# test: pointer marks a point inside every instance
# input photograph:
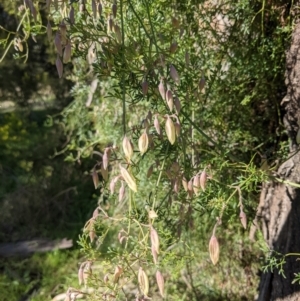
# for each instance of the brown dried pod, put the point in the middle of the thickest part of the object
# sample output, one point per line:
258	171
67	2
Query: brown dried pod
157	125
59	67
143	142
160	283
129	179
67	52
94	9
187	59
169	98
150	171
161	89
110	25
100	8
118	272
201	83
154	239
154	255
185	183
145	87
174	75
203	179
95	178
121	192
57	43
72	15
214	249
177	128
243	219
170	130
49	31
117	31
127	148
175	23
173	47
196	184
177	105
114	9
143	281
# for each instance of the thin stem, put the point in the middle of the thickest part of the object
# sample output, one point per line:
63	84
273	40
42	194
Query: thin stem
123	75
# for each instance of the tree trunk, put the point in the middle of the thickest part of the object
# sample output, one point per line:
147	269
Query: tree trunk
279	208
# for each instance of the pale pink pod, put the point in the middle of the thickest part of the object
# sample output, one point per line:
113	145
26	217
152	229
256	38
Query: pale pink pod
160	283
143	281
92	235
161	89
214	249
59	67
170	130
243	219
105	278
112	185
157	125
154	239
127	148
203	179
185	183
143	143
105	158
67	53
190	188
80	275
96	213
145	87
57	43
196	184
174	74
177	105
95	178
154	255
169	98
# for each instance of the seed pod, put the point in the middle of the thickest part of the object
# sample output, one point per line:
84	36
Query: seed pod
174	74
99	8
63	33
201	83
127	148
67	52
176	187
162	90
72	15
160	283
154	255
48	3
149	116
177	128
190	188
143	281
128	178
196	184
157	125
59	67
95	213
117	274
80	275
105	158
114	9
170	130
94	9
95	178
150	171
105	278
177	105
175	23
214	249
49	31
187	58
152	214
121	192
110	24
184	183
154	239
104	173
169	98
203	179
57	43
173	47
112	185
243	219
117	31
145	87
143	143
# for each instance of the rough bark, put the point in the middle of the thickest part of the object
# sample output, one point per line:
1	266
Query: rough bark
279	208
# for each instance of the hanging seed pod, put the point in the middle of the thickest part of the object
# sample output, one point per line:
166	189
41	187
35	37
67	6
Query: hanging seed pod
184	183
117	274
169	98
94	9
80	274
154	239
160	283
145	88
162	91
114	9
104	173
49	31
175	23
105	158
57	43
100	8
201	83
170	130
95	178
92	235
121	192
59	67
117	31
177	128
143	281
203	179
105	278
214	249
177	105
152	214
150	171
95	213
243	219
72	15
187	59
176	187
110	24
173	47
154	255
157	125
149	116
127	148
190	188
128	178
174	75
63	33
196	184
143	143
112	185
67	53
